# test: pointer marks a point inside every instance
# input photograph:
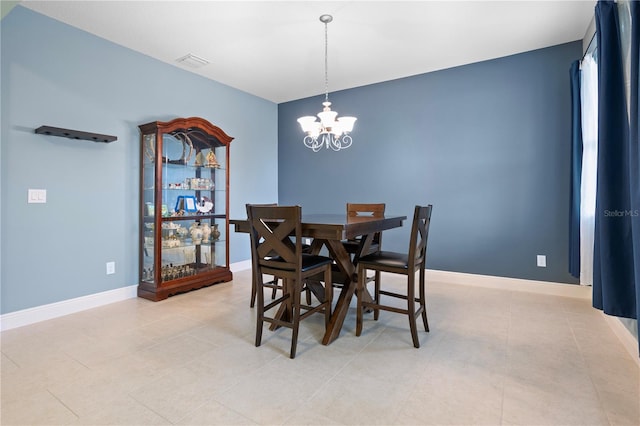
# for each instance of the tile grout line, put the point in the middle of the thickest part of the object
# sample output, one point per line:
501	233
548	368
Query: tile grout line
504	377
63	404
584	361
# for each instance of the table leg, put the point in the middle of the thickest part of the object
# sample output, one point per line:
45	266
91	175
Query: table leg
316	287
365	244
343	261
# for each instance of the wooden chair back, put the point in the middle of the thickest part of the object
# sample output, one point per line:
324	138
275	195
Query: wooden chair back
255	267
375	210
419	236
271	230
368	209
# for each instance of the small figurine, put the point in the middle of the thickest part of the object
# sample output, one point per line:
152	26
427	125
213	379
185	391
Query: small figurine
206	231
196	233
205	205
212	161
199	159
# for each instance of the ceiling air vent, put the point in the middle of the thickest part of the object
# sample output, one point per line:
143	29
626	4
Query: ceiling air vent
192	60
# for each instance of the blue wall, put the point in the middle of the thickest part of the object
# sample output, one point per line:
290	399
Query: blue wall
487	144
57	75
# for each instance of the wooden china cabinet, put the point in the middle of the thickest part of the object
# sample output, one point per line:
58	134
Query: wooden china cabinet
184	206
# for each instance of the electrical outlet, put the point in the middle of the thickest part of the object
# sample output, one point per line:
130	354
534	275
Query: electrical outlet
111	268
542	261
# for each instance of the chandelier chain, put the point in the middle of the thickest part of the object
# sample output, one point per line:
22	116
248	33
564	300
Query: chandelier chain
326	62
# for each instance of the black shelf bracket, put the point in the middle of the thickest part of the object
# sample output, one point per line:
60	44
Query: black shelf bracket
74	134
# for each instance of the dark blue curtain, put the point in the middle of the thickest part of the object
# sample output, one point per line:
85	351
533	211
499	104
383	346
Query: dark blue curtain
634	148
576	172
615	280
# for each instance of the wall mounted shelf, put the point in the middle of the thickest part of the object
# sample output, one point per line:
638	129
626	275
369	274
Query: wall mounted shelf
74	134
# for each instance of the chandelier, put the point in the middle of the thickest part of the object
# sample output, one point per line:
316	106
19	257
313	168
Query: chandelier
330	131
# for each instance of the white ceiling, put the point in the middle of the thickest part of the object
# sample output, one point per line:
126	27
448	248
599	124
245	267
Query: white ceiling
275	49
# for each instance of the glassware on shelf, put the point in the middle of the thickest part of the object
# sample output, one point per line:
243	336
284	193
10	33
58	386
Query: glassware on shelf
215	232
206	231
196	233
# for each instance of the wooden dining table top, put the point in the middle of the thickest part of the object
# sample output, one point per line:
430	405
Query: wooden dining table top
328	230
336	226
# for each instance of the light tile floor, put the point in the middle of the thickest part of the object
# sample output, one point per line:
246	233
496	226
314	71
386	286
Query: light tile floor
493	357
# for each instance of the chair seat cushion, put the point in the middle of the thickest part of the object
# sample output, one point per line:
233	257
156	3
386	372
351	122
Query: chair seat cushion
309	261
386	258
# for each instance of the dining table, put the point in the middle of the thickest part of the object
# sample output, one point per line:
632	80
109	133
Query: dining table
328	231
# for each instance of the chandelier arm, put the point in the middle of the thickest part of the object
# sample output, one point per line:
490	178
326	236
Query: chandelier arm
309	142
313	143
346	141
339	144
335	144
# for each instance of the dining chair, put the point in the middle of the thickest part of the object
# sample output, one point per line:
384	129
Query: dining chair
358	209
274	283
399	263
277	250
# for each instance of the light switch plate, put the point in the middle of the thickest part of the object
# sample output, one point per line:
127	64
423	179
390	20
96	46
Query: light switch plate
37	196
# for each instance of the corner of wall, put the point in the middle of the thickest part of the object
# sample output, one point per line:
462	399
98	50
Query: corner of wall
6	6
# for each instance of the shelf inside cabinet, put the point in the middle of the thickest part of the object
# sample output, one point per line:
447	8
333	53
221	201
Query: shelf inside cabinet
186	243
195	217
181	164
151	219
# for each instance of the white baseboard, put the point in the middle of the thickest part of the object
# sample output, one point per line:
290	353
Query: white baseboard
627	339
240	266
512	284
54	310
